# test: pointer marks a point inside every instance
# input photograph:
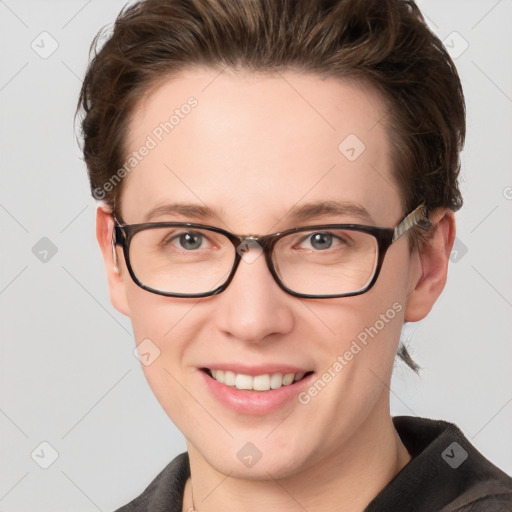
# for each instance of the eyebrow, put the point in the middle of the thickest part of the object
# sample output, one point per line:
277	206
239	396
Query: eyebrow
300	213
195	211
329	208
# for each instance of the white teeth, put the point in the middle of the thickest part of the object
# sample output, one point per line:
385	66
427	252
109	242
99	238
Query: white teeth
261	382
229	378
288	379
276	381
243	381
258	382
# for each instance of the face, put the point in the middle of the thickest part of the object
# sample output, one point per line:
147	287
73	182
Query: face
251	149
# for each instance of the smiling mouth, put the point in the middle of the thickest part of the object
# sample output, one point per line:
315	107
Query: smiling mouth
264	382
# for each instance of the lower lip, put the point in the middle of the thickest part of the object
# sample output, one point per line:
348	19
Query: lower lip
255	403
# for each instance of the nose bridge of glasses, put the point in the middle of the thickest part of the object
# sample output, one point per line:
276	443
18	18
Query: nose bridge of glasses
250	247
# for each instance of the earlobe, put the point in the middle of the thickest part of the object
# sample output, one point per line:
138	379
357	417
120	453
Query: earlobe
431	260
116	284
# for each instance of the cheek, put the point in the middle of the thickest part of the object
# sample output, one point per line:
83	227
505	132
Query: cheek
163	328
363	330
355	341
157	317
147	315
154	322
362	333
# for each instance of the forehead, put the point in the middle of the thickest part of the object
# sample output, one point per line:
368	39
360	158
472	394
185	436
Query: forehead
253	146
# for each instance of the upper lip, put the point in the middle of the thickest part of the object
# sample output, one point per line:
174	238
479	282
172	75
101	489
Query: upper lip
260	369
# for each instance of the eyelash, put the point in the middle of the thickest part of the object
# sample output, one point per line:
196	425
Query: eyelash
176	236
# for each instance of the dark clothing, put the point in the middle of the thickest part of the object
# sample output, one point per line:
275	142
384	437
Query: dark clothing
446	474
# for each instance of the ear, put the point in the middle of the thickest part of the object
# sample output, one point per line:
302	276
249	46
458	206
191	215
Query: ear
115	278
431	266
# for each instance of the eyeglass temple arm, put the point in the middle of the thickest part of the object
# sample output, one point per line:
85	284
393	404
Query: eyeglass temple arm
113	242
415	217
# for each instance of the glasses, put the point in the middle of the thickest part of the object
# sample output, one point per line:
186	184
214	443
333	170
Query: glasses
182	259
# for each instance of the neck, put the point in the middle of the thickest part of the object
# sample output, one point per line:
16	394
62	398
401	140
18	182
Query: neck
365	464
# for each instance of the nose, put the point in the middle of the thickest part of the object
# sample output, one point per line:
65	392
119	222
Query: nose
253	307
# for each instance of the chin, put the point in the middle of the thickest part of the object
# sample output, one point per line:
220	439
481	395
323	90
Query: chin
254	457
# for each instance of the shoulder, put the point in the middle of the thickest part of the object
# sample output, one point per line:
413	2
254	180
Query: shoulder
165	492
446	473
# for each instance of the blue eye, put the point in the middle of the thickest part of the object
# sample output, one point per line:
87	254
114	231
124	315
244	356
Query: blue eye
190	240
321	241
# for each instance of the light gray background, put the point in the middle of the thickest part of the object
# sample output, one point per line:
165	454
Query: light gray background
68	374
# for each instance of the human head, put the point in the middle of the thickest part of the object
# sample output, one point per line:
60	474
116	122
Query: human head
384	43
125	92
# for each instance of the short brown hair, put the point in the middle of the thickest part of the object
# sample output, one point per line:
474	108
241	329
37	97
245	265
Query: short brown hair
385	43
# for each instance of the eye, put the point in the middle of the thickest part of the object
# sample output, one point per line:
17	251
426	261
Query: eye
188	240
323	240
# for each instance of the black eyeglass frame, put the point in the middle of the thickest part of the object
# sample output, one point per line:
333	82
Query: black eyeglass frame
123	234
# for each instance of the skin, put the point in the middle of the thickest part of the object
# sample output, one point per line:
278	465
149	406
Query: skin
253	148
